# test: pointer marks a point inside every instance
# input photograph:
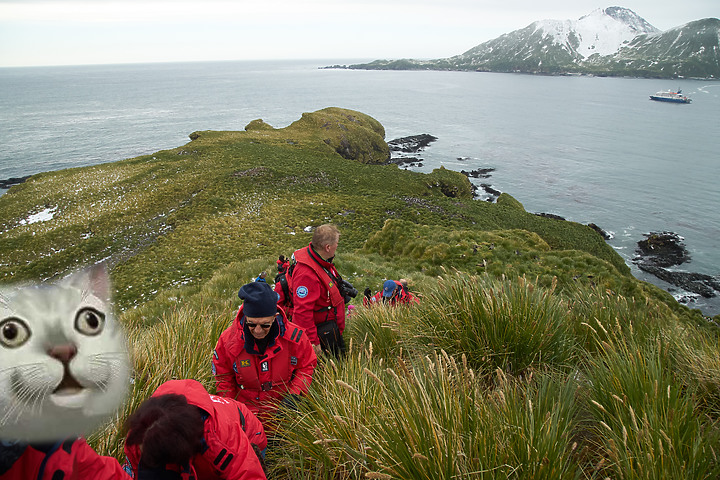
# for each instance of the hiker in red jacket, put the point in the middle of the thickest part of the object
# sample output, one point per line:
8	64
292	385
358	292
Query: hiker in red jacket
282	264
262	358
70	459
183	432
393	293
319	294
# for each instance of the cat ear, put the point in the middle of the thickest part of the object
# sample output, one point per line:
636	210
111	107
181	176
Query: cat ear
95	279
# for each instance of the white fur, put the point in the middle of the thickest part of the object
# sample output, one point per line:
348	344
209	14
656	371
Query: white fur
29	410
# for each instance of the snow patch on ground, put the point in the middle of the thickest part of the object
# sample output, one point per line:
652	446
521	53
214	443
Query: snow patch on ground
42	216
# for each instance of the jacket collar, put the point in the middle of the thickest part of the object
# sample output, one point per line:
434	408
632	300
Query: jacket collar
277	330
325	263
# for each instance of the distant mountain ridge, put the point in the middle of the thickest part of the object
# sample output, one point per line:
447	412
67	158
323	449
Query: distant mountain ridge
613	41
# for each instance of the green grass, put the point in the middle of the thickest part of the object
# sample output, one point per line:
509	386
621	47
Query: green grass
533	353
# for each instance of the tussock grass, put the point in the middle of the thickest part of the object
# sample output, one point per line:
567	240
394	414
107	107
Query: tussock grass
410	401
430	419
647	422
511	325
179	345
696	353
533	354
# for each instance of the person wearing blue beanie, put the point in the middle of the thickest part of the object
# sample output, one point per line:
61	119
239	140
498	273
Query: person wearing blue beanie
262	359
259	300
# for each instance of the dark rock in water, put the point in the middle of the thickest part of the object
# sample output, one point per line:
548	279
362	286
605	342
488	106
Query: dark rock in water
408	161
491	191
662	249
699	283
550	215
411	144
13	181
478	173
599	230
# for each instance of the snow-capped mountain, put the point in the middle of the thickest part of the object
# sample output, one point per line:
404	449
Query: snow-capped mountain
548	44
608	41
601	32
692	49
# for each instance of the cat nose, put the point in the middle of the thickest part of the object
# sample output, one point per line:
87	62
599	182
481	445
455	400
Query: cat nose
64	353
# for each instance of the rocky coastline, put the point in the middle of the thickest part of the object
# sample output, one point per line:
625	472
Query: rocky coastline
9	182
656	254
659	252
405	152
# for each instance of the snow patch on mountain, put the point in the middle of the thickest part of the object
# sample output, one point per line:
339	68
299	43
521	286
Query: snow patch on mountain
603	31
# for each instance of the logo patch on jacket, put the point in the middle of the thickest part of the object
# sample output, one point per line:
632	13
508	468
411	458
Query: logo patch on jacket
215	355
212	367
264	367
244	363
301	292
293	360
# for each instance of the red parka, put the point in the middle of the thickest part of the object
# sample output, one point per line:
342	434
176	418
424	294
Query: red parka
229	430
282	288
67	460
316	294
260	381
400	297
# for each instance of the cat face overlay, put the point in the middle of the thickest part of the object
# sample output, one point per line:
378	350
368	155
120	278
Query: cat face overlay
64	365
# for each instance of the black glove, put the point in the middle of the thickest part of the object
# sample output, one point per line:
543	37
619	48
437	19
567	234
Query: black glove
290	401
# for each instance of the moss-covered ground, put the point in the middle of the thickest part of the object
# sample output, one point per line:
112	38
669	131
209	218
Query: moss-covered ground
183	229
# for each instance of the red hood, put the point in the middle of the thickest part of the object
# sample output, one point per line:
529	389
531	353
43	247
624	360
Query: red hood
191	389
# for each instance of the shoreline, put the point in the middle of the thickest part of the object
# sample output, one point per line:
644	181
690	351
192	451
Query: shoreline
686	287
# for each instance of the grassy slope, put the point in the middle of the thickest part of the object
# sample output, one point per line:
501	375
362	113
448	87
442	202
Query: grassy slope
182	229
175	217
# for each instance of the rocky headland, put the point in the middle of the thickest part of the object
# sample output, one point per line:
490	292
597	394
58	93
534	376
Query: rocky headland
9	182
659	252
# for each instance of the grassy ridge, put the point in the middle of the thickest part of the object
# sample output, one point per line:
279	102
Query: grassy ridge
508	357
174	217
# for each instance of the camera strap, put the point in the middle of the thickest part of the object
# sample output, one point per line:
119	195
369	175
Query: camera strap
338	278
328	280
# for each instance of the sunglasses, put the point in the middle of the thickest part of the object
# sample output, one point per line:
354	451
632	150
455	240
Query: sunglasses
264	326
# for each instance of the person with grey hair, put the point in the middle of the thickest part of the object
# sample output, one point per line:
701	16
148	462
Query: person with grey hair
320	293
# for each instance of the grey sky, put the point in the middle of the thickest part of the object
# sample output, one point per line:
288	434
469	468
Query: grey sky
67	32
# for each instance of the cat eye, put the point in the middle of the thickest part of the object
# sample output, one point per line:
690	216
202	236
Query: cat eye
89	321
13	332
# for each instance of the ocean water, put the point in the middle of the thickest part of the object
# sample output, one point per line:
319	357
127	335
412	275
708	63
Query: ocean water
585	148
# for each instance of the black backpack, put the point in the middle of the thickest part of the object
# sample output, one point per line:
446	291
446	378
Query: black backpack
282	279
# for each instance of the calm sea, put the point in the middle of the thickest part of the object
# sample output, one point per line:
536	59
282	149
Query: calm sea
588	149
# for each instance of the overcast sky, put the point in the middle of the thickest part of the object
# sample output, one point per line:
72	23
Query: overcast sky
77	32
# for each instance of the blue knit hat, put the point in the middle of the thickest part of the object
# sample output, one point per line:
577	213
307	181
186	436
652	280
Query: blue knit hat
389	288
259	300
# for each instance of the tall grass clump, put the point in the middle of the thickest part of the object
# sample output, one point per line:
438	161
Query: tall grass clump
534	424
329	436
178	346
380	328
646	422
429	419
597	315
697	357
497	323
367	419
